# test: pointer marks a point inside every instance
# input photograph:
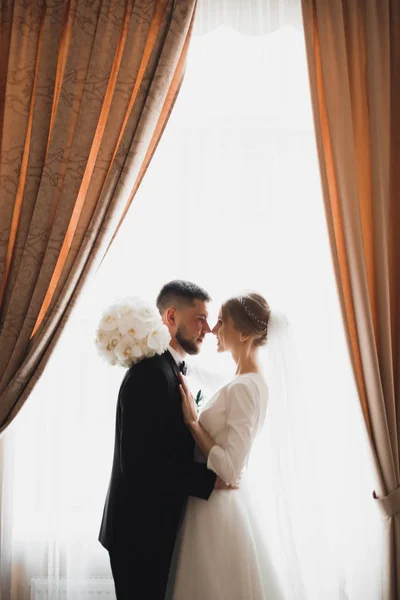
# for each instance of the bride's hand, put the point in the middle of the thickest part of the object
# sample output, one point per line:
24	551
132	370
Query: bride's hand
189	407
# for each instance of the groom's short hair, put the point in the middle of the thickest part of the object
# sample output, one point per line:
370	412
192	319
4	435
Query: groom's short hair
180	292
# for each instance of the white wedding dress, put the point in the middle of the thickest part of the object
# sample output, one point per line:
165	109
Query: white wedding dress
219	553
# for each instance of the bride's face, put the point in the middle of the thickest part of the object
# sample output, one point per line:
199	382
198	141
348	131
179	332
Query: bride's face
227	336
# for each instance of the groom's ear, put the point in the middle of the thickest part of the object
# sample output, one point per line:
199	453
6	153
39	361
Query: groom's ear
170	316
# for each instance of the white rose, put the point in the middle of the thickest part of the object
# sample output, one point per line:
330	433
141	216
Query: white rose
101	338
126	309
130	330
148	313
127	350
133	326
113	342
132	304
158	339
109	320
108	355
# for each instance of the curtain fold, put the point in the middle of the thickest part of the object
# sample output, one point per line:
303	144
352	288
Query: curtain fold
87	88
353	53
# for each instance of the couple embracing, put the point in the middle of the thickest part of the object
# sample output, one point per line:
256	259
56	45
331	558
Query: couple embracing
177	521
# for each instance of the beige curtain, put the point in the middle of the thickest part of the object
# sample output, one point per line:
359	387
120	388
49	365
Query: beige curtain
86	89
353	49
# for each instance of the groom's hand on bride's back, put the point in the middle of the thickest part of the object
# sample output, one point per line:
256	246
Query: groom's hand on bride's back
221	485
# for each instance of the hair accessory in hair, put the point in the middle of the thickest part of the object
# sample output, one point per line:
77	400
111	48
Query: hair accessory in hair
250	314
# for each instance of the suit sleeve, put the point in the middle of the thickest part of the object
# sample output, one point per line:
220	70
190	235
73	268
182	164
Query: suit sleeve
144	442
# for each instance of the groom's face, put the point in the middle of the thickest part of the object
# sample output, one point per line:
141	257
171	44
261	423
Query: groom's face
192	326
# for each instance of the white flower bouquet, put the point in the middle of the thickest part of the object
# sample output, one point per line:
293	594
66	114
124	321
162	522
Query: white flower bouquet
130	330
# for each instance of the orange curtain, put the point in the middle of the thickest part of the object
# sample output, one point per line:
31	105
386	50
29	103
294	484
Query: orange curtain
353	49
85	93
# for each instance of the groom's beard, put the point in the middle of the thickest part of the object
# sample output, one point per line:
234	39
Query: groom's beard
188	345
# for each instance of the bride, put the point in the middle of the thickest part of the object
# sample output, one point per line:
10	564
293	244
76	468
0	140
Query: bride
219	552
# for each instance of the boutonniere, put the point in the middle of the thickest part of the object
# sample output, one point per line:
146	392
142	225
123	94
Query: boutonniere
199	398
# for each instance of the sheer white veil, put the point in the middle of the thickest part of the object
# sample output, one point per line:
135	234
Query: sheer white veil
278	475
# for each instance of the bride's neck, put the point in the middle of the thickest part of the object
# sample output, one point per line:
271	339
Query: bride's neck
246	361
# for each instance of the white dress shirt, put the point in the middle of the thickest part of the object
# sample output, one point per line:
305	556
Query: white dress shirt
175	355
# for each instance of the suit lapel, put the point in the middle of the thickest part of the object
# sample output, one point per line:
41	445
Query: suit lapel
172	363
176	402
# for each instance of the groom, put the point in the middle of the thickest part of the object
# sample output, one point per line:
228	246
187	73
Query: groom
153	471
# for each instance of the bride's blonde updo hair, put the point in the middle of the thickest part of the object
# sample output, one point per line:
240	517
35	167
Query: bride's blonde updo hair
250	314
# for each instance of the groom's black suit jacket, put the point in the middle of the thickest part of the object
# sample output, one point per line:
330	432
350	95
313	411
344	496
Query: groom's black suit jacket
153	471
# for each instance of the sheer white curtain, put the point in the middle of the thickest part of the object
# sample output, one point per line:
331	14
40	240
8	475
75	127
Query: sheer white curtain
231	200
250	17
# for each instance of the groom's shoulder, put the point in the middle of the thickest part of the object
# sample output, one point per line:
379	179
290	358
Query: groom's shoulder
152	367
158	361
